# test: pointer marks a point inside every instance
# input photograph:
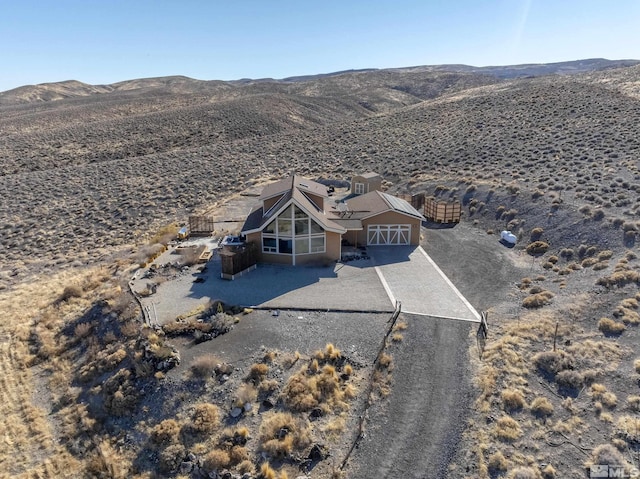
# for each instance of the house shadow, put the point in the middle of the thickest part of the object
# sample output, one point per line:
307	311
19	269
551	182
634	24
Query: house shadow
261	286
434	225
382	255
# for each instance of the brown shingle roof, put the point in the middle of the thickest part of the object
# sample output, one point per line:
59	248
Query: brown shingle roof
376	202
292	188
282	186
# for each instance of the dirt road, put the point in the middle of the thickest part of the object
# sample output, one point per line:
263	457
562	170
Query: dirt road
415	434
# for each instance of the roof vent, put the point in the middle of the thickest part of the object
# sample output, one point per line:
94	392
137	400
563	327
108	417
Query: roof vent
304	185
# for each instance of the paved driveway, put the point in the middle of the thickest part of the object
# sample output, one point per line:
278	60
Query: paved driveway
412	277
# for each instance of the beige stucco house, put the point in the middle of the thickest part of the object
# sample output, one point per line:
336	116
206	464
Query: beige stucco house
297	222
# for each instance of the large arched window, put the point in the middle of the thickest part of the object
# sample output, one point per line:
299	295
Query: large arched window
293	232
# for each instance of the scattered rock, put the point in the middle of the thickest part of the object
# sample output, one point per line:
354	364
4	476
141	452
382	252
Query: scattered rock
318	453
235	412
186	467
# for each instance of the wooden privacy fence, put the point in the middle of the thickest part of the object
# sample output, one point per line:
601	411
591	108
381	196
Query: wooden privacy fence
442	211
201	225
238	259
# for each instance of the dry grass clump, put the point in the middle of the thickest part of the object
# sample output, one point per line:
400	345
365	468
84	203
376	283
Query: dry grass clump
165	432
120	393
633	403
541	407
524	473
537	300
507	429
636	365
205	418
281	433
549	472
512	399
497	462
610	327
171	457
628	428
606	454
257	373
620	279
70	292
322	383
246	393
215	460
537	248
204	366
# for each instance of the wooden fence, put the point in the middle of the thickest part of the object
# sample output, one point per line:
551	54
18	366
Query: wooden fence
201	225
238	259
442	211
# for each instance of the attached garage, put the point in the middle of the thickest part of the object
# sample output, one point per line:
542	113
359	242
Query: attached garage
388	235
377	218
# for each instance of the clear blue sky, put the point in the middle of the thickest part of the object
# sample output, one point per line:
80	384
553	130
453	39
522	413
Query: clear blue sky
105	41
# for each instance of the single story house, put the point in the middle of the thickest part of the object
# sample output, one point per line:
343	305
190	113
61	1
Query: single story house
366	183
297	222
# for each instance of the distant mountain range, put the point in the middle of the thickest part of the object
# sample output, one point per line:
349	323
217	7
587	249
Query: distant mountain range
180	84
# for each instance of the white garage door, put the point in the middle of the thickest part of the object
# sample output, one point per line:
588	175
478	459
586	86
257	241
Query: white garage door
388	234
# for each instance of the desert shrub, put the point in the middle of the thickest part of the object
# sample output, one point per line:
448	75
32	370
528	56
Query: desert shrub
619	279
165	432
238	454
553	259
267	472
497	462
257	373
600	265
205	418
628	428
82	330
549	472
541	407
245	467
281	433
607	454
537	300
512	399
120	394
524	473
171	457
605	255
214	460
385	361
610	327
609	400
636	365
585	263
536	233
537	248
70	292
204	366
634	403
552	362
246	393
566	253
569	379
507	429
